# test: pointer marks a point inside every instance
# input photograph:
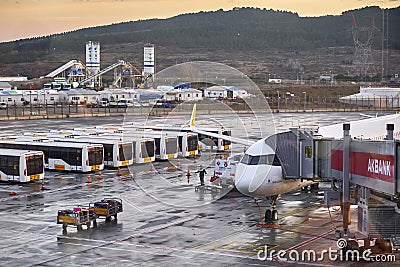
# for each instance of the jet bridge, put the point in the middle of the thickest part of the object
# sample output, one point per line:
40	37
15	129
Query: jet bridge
297	150
368	170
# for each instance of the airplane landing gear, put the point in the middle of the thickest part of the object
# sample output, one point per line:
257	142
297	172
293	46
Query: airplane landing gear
271	214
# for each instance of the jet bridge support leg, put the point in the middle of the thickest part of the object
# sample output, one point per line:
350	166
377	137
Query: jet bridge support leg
346	180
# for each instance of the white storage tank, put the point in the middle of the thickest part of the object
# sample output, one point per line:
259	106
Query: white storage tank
93	56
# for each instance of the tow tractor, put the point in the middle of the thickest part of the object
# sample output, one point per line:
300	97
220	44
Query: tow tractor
107	207
77	217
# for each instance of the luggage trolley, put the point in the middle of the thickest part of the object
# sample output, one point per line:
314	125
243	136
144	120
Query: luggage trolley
77	217
107	207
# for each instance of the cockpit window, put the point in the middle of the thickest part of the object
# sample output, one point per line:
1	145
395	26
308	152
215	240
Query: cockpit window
271	159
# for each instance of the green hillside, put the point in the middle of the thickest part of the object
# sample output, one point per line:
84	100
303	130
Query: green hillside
242	30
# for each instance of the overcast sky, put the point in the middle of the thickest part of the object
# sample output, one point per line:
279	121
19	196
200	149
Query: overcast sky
29	18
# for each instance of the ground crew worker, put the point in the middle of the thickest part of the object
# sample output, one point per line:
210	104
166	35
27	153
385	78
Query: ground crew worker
201	172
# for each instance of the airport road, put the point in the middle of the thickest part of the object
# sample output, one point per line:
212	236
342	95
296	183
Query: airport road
165	221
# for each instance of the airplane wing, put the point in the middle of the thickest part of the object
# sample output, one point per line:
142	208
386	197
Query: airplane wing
224	137
192	127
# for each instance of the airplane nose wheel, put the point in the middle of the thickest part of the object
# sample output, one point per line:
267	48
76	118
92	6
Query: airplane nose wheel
271	216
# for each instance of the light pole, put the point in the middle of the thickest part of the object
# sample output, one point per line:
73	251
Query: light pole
305	98
278	100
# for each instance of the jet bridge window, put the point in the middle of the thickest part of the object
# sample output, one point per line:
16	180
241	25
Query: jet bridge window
308	151
261	160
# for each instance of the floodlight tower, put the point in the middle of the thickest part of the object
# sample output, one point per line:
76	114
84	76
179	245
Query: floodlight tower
362	49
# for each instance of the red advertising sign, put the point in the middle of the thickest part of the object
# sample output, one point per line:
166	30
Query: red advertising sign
371	165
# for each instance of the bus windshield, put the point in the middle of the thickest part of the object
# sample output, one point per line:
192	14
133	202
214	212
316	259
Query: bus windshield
171	145
147	149
227	133
193	142
34	164
125	151
95	155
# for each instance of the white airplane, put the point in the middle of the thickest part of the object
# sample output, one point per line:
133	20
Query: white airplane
259	173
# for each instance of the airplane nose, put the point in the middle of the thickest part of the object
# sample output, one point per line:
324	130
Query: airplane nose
249	180
242	186
252	180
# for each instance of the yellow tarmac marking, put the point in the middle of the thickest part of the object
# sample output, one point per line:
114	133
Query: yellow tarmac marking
218	239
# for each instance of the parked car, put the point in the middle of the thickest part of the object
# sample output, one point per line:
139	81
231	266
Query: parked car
124	103
164	105
112	104
104	104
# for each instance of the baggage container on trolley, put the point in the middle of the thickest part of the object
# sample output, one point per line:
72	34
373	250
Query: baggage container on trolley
107	207
76	217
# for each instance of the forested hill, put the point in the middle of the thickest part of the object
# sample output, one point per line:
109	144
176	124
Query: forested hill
240	29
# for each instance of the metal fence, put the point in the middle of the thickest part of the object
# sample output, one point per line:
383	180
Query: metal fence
69	110
310	104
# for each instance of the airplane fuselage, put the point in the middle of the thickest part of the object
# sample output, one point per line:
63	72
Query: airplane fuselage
259	173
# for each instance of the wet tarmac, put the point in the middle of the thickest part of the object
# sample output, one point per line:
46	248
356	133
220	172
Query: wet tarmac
165	222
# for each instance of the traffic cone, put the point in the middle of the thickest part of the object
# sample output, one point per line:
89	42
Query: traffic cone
119	171
188	174
42	187
88	179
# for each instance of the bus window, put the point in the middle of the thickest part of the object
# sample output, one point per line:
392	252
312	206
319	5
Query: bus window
157	140
108	152
9	165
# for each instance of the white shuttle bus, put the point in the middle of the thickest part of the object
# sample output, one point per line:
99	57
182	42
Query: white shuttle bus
143	148
21	165
213	142
166	147
62	156
188	144
116	153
